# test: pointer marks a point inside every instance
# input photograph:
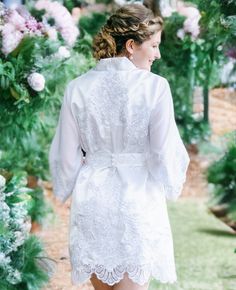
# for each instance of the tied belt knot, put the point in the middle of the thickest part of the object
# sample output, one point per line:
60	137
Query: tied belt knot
110	159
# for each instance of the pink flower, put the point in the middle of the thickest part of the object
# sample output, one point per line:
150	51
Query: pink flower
18	23
10	38
167	11
191	23
191	26
63	19
36	81
32	25
16	19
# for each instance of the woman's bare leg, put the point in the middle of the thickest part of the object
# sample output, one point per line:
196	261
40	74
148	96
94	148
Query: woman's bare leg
98	284
127	284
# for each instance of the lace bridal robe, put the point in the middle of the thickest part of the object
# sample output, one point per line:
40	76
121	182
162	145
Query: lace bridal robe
123	118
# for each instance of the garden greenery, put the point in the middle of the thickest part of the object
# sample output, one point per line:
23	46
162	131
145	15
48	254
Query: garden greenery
20	252
222	174
189	61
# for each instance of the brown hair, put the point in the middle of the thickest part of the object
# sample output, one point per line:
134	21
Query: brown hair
132	21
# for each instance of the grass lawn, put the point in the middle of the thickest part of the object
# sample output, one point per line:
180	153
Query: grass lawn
204	249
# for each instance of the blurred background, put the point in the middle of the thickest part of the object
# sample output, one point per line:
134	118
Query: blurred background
43	45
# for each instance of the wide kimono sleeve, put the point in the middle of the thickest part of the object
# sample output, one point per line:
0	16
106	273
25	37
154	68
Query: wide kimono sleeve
65	155
169	159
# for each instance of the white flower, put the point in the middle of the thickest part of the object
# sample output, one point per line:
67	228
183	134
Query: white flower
167	11
14	277
19	239
121	2
4	260
10	38
51	32
63	52
36	81
191	23
4	213
2	181
27	227
181	34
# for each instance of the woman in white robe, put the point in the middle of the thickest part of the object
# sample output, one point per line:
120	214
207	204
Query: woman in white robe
122	116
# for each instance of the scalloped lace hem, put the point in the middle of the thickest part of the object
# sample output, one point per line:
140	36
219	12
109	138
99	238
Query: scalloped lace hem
138	274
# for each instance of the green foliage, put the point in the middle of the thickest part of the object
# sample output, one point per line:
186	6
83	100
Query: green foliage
39	207
26	261
70	4
28	130
191	130
31	156
29	56
84	44
21	253
188	63
107	2
19	104
27	117
178	66
93	22
222	174
33	276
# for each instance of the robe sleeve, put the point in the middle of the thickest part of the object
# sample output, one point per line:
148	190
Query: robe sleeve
169	159
65	155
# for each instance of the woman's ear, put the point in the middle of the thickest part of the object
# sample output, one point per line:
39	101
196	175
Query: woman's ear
129	45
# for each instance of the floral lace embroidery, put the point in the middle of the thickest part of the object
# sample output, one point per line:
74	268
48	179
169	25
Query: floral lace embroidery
108	107
140	274
118	238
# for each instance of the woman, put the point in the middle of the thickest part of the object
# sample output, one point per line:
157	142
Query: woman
122	116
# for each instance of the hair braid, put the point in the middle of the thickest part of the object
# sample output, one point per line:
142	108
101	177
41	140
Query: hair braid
132	21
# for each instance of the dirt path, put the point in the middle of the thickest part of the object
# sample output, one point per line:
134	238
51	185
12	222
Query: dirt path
222	117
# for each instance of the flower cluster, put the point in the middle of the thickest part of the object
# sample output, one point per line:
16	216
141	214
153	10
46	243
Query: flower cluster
17	23
191	23
63	20
19	30
15	222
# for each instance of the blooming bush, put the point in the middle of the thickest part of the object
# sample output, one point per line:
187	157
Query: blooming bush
221	177
18	24
18	249
28	47
195	36
33	75
29	65
64	22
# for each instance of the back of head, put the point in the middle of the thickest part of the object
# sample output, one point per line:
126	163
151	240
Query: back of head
132	21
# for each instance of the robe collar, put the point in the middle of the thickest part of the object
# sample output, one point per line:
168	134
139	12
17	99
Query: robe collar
115	63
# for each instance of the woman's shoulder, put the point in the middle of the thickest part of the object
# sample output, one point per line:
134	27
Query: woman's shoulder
157	78
154	81
79	80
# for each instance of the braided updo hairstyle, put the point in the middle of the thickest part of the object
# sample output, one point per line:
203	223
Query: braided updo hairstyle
132	21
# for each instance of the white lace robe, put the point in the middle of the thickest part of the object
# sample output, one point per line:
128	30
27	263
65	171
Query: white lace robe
123	118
